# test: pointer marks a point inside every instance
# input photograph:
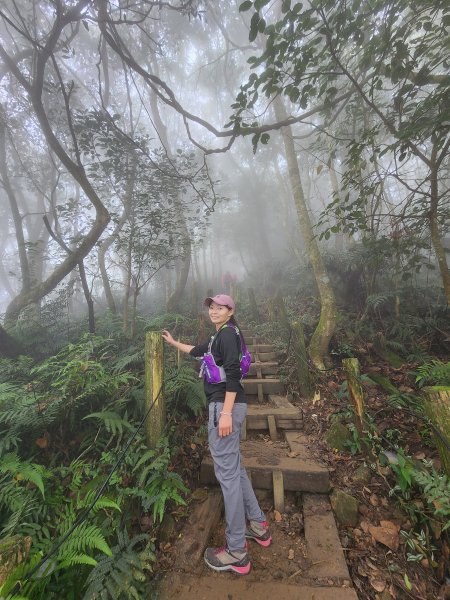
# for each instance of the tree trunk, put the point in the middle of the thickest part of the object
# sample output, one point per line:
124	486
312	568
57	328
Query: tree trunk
434	227
9	347
17	219
82	273
182	275
437	408
107	243
318	348
75	169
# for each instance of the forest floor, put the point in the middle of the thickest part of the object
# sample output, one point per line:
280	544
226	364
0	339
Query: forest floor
375	551
379	567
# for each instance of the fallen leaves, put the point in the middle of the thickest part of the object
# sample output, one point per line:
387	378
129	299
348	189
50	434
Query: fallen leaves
277	516
386	534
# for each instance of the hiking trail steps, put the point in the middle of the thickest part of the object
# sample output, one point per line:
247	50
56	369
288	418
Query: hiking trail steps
283	463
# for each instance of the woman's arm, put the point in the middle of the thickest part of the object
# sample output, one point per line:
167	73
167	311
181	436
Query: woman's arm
167	336
225	419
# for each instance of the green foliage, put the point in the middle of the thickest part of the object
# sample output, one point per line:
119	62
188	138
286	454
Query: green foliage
22	488
58	390
436	489
403	468
122	575
157	481
435	372
65	395
113	422
184	391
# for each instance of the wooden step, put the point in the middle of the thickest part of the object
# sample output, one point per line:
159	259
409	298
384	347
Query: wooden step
300	473
259	369
322	538
258	348
268	386
203	519
285	418
181	586
264	356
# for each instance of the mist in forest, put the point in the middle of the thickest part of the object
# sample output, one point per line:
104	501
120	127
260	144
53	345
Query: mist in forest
143	163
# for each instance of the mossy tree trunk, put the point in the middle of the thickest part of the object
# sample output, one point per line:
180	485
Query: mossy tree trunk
355	391
437	408
318	347
304	376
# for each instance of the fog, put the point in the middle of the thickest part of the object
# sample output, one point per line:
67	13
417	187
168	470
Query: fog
154	150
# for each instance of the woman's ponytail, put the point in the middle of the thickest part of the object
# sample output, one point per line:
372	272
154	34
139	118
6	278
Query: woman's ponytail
234	322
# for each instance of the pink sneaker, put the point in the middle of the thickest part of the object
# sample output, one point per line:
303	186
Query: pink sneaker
259	532
222	559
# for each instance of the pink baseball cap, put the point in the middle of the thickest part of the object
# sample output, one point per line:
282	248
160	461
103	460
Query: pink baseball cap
221	299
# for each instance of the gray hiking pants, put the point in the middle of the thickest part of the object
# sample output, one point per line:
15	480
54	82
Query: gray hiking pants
238	495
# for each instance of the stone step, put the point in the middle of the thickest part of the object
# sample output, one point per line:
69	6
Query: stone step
180	586
261	459
285	418
259	369
267	386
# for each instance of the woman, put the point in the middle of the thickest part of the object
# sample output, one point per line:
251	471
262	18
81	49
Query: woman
227	406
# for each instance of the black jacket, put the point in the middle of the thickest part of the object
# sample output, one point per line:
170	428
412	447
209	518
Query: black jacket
226	350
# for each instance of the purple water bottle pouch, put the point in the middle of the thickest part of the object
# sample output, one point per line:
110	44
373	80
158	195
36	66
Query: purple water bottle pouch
215	374
210	371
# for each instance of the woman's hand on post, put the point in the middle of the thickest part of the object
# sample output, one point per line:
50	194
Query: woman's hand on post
225	425
167	336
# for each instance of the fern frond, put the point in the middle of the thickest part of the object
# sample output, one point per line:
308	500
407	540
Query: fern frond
121	575
102	502
77	559
132	357
23	470
84	537
113	422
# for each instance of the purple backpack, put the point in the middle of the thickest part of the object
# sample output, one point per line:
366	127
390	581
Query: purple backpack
215	374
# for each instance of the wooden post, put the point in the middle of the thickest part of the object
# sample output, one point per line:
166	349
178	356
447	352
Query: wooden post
272	428
304	376
355	391
278	491
154	393
437	408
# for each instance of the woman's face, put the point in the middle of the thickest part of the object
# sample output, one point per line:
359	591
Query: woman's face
219	314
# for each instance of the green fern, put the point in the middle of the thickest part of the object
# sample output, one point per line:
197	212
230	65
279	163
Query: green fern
131	357
166	321
184	389
112	421
84	537
23	470
163	487
21	491
122	575
436	489
435	372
